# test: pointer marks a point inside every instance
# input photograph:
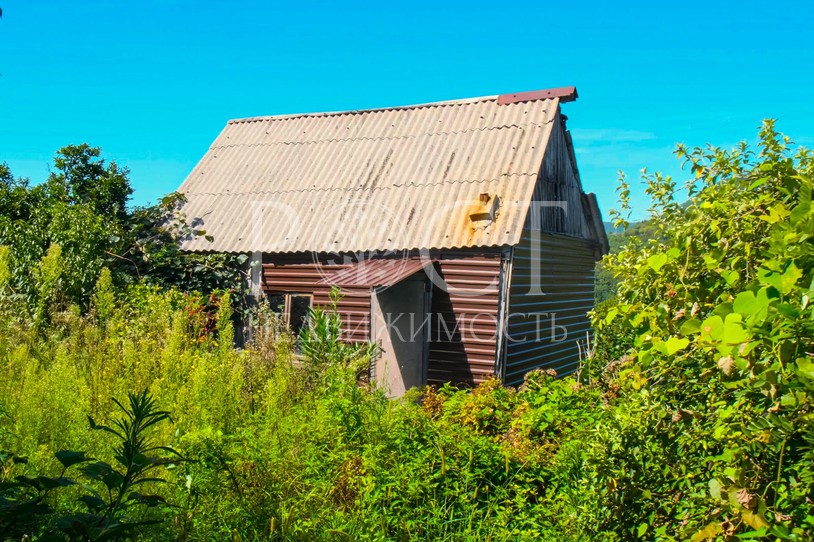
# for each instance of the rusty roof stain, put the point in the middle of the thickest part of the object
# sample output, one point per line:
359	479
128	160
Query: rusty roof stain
381	179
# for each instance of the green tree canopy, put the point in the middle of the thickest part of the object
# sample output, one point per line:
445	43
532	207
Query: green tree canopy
83	207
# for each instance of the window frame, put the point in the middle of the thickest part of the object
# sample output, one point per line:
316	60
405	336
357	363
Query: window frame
287	304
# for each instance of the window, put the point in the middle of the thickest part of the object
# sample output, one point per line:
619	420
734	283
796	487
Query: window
298	307
294	309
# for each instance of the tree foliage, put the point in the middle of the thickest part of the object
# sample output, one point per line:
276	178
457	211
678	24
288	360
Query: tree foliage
720	331
83	207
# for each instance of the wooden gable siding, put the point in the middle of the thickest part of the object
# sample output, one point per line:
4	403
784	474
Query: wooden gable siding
463	334
559	190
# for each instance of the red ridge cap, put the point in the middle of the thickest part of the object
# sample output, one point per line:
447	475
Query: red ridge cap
565	94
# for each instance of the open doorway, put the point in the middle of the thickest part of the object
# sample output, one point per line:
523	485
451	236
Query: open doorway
399	326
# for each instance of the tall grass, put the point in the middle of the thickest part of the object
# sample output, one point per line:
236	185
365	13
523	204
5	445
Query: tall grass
279	450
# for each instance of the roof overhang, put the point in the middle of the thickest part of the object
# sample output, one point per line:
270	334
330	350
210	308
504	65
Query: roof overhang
564	94
370	273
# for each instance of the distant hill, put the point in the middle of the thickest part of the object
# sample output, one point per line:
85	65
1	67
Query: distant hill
609	227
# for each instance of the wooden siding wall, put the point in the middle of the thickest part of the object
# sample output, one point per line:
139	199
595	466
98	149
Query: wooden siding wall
556	291
559	183
468	309
300	274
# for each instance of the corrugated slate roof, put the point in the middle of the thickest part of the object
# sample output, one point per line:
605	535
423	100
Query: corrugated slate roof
384	179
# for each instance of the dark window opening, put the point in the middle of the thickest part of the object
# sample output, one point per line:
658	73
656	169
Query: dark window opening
277	303
298	310
293	308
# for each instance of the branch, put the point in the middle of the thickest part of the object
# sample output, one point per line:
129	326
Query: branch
135	266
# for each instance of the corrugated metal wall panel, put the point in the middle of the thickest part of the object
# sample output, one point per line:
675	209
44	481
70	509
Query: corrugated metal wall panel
464	326
353	307
303	274
464	310
560	283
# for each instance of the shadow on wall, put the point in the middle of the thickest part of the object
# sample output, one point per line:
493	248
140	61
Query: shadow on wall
448	360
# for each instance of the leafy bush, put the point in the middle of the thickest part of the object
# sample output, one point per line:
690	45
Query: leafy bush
280	448
716	440
24	507
81	210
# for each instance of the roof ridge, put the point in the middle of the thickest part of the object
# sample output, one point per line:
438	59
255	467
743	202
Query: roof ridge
287	116
562	94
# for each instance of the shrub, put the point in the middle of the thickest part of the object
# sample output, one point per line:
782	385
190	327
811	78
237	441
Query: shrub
25	511
716	433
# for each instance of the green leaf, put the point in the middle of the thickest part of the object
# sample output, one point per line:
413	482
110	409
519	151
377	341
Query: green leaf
93	502
802	210
69	458
691	326
641	530
745	303
730	277
782	278
792	399
734	333
611	315
805	367
102	472
712	328
760	533
723	310
707	533
777	213
675	344
98	427
759	182
657	261
715	488
755	520
711	261
44	483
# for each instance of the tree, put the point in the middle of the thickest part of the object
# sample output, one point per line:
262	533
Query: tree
83	207
719	377
82	178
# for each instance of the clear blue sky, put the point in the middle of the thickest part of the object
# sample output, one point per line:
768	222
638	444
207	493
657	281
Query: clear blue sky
153	82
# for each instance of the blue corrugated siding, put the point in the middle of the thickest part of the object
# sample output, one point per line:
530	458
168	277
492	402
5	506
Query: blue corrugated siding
558	290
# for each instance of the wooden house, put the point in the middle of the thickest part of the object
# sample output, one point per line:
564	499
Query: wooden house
458	232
